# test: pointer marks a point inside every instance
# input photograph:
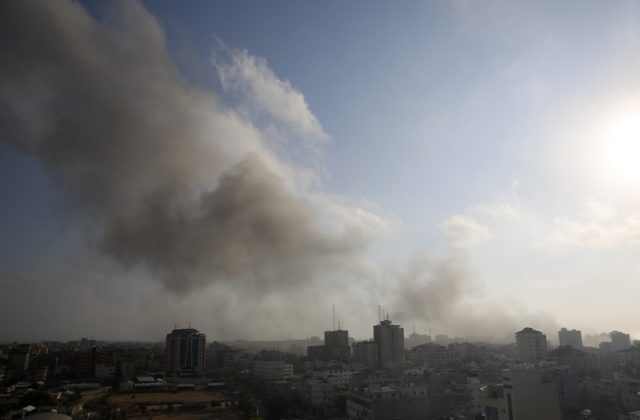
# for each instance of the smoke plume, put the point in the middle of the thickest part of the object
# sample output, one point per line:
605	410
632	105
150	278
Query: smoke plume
176	181
442	293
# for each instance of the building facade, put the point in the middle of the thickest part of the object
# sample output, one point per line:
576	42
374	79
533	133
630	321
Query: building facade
185	352
571	338
390	341
619	341
271	370
336	345
532	345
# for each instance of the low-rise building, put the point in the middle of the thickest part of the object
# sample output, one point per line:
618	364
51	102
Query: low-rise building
272	370
389	402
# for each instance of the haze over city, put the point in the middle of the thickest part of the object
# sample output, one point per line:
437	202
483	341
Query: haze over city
470	167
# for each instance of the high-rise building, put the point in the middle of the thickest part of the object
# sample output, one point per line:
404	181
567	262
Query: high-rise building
619	341
571	338
532	345
336	345
366	353
390	341
185	352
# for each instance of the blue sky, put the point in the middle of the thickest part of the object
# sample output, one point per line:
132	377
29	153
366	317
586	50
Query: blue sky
480	129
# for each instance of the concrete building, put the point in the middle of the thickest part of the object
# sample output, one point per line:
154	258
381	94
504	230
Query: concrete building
338	377
389	402
318	393
532	345
271	370
317	352
390	341
185	352
523	395
366	354
619	341
571	338
433	355
336	345
578	360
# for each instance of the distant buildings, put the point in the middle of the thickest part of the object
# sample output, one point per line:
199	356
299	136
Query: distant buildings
571	338
532	345
577	360
619	341
335	347
271	370
385	351
185	352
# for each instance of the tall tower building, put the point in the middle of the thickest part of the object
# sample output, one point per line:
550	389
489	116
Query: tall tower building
185	352
390	341
532	345
571	338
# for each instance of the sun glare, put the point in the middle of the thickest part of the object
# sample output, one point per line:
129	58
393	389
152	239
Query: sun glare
623	146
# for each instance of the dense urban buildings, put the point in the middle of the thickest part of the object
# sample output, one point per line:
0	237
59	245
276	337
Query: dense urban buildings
275	380
386	350
185	352
336	347
532	345
619	341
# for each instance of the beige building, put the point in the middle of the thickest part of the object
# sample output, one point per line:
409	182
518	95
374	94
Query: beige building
532	345
523	395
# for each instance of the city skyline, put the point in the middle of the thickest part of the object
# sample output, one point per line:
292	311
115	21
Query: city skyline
470	167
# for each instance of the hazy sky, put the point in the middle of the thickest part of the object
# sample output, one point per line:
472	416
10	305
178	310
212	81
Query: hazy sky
473	167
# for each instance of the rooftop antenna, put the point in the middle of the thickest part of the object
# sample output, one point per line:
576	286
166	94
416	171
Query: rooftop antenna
414	328
334	316
189	324
379	313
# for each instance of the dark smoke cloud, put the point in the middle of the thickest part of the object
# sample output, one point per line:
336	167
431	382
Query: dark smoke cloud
175	181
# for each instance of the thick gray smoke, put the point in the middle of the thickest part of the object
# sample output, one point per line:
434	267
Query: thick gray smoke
179	183
440	293
175	181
